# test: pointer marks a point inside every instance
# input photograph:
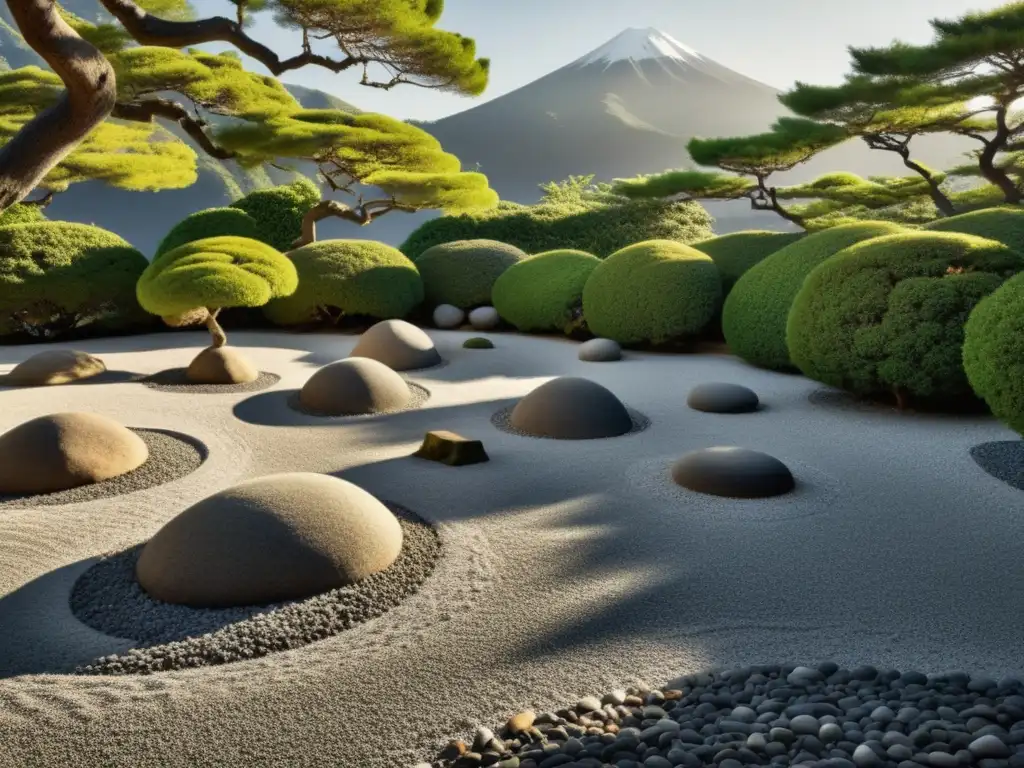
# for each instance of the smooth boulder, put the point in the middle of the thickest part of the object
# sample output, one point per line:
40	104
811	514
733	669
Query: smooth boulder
354	386
280	537
600	351
571	408
448	316
67	450
722	397
221	365
54	366
733	472
399	345
484	318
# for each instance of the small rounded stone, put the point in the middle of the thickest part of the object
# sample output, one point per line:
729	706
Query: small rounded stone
733	472
447	316
484	318
54	366
571	408
221	365
401	346
354	386
600	351
722	397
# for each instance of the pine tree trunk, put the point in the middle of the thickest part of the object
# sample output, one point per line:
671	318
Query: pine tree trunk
986	161
942	202
52	134
219	337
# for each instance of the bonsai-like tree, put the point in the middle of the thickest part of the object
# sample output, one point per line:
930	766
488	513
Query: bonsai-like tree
191	284
125	70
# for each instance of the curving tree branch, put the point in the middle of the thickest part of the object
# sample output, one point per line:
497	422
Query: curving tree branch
147	110
361	214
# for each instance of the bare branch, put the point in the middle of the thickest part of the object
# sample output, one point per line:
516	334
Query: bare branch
144	111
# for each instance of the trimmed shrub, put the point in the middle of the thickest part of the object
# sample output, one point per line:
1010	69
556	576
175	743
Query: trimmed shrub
737	252
754	314
887	315
56	276
1003	224
544	292
463	273
652	292
20	213
994	352
212	222
278	211
348	277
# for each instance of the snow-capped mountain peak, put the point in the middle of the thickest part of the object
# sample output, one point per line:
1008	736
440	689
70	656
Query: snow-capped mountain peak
637	44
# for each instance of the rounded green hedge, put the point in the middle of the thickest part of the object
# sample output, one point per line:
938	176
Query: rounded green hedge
22	213
1003	224
353	277
212	222
652	292
278	211
215	273
542	292
463	273
737	252
994	352
57	275
755	312
887	315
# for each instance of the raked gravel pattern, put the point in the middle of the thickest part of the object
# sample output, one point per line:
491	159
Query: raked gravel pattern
108	598
776	715
503	420
174	380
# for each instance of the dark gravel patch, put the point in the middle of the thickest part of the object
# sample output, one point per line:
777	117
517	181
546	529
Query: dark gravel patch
847	401
420	395
1004	460
503	421
174	380
108	598
171	455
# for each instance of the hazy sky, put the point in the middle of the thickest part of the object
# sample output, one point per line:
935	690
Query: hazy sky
774	41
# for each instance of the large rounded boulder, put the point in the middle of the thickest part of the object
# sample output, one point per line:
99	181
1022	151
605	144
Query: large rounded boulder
544	292
221	365
66	450
281	537
734	472
463	273
54	366
354	386
571	408
401	346
652	292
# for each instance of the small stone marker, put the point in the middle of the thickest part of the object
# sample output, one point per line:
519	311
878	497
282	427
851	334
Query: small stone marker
452	449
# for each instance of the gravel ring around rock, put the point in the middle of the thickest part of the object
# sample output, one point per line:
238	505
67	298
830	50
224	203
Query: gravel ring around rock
172	455
503	420
420	395
1004	460
108	598
173	380
771	714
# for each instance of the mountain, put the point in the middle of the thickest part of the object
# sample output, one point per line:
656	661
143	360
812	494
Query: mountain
630	107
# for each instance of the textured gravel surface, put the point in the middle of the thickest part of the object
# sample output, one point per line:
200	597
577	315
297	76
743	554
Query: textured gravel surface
503	420
779	715
108	598
171	456
420	395
173	380
1003	460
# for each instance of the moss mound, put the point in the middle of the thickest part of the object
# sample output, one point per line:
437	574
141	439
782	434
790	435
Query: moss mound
278	211
544	292
737	252
1003	224
888	315
56	276
213	222
477	342
21	213
463	273
349	277
994	352
652	292
754	314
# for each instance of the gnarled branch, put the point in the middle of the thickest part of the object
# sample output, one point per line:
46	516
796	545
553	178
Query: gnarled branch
361	214
144	111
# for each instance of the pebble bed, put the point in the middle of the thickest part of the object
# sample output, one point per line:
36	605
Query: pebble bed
108	598
503	421
1004	460
174	380
774	715
171	456
420	395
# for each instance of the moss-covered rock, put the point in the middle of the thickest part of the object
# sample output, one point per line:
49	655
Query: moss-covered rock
887	315
994	352
544	292
278	211
1003	224
652	292
737	252
755	312
478	342
349	277
56	276
212	222
463	273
